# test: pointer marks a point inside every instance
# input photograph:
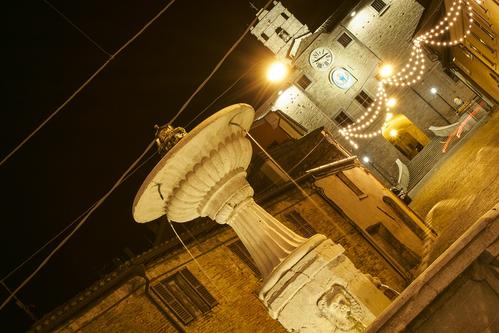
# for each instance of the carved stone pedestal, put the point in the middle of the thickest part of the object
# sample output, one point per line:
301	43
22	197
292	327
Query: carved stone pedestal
323	292
310	286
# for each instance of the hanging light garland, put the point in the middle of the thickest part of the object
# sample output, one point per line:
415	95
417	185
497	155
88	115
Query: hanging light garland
408	75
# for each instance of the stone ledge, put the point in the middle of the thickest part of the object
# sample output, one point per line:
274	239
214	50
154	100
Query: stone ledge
440	274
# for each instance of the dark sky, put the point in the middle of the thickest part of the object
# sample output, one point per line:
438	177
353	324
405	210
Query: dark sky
77	157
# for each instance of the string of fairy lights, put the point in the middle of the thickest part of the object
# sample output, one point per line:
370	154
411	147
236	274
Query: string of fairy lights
408	75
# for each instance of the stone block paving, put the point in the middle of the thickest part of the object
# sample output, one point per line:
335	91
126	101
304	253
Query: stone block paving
462	187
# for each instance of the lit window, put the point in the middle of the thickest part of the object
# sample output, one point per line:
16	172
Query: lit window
184	295
344	39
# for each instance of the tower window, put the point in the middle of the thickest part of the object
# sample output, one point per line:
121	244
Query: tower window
364	99
378	5
285	16
342	119
238	249
184	295
283	34
264	36
344	39
304	81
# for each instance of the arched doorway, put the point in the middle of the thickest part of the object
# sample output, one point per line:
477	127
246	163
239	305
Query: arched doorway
405	136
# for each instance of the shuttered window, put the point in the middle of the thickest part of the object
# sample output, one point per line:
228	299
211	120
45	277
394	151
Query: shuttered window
304	228
344	39
184	295
240	250
378	5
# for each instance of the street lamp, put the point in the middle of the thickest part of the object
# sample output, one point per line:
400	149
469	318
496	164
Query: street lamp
391	102
386	70
277	71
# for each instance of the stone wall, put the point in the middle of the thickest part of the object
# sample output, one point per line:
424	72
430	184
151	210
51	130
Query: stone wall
129	308
225	276
377	38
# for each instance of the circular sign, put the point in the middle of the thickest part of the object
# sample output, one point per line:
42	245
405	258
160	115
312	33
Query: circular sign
342	78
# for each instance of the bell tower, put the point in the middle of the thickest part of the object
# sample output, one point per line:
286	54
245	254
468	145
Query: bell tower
279	30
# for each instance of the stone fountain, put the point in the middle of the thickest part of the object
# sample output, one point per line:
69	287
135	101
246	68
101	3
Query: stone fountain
309	284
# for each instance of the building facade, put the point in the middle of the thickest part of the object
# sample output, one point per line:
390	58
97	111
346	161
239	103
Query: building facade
475	60
335	79
216	289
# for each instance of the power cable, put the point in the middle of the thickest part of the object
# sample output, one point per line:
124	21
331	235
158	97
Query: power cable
90	39
233	47
78	226
100	69
68	226
121	179
221	95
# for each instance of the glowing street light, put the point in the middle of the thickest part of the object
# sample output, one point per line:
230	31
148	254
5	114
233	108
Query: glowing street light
389	116
391	102
353	13
386	70
277	71
433	90
366	159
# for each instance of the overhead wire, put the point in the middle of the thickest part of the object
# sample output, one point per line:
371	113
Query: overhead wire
217	66
123	177
77	227
220	96
90	39
85	84
56	236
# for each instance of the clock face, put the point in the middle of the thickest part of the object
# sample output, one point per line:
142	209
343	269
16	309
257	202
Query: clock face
321	58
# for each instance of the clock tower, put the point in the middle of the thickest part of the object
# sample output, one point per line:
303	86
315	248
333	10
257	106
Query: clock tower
279	30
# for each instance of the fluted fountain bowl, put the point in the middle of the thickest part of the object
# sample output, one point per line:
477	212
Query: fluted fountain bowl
194	177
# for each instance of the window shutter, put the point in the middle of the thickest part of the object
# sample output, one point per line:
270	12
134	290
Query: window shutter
344	39
173	304
378	5
199	288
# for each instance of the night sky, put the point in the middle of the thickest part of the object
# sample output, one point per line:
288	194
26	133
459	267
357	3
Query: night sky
81	152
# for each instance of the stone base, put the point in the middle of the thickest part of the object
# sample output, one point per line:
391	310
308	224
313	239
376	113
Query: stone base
323	292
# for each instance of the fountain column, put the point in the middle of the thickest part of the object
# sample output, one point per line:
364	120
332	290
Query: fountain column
310	285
